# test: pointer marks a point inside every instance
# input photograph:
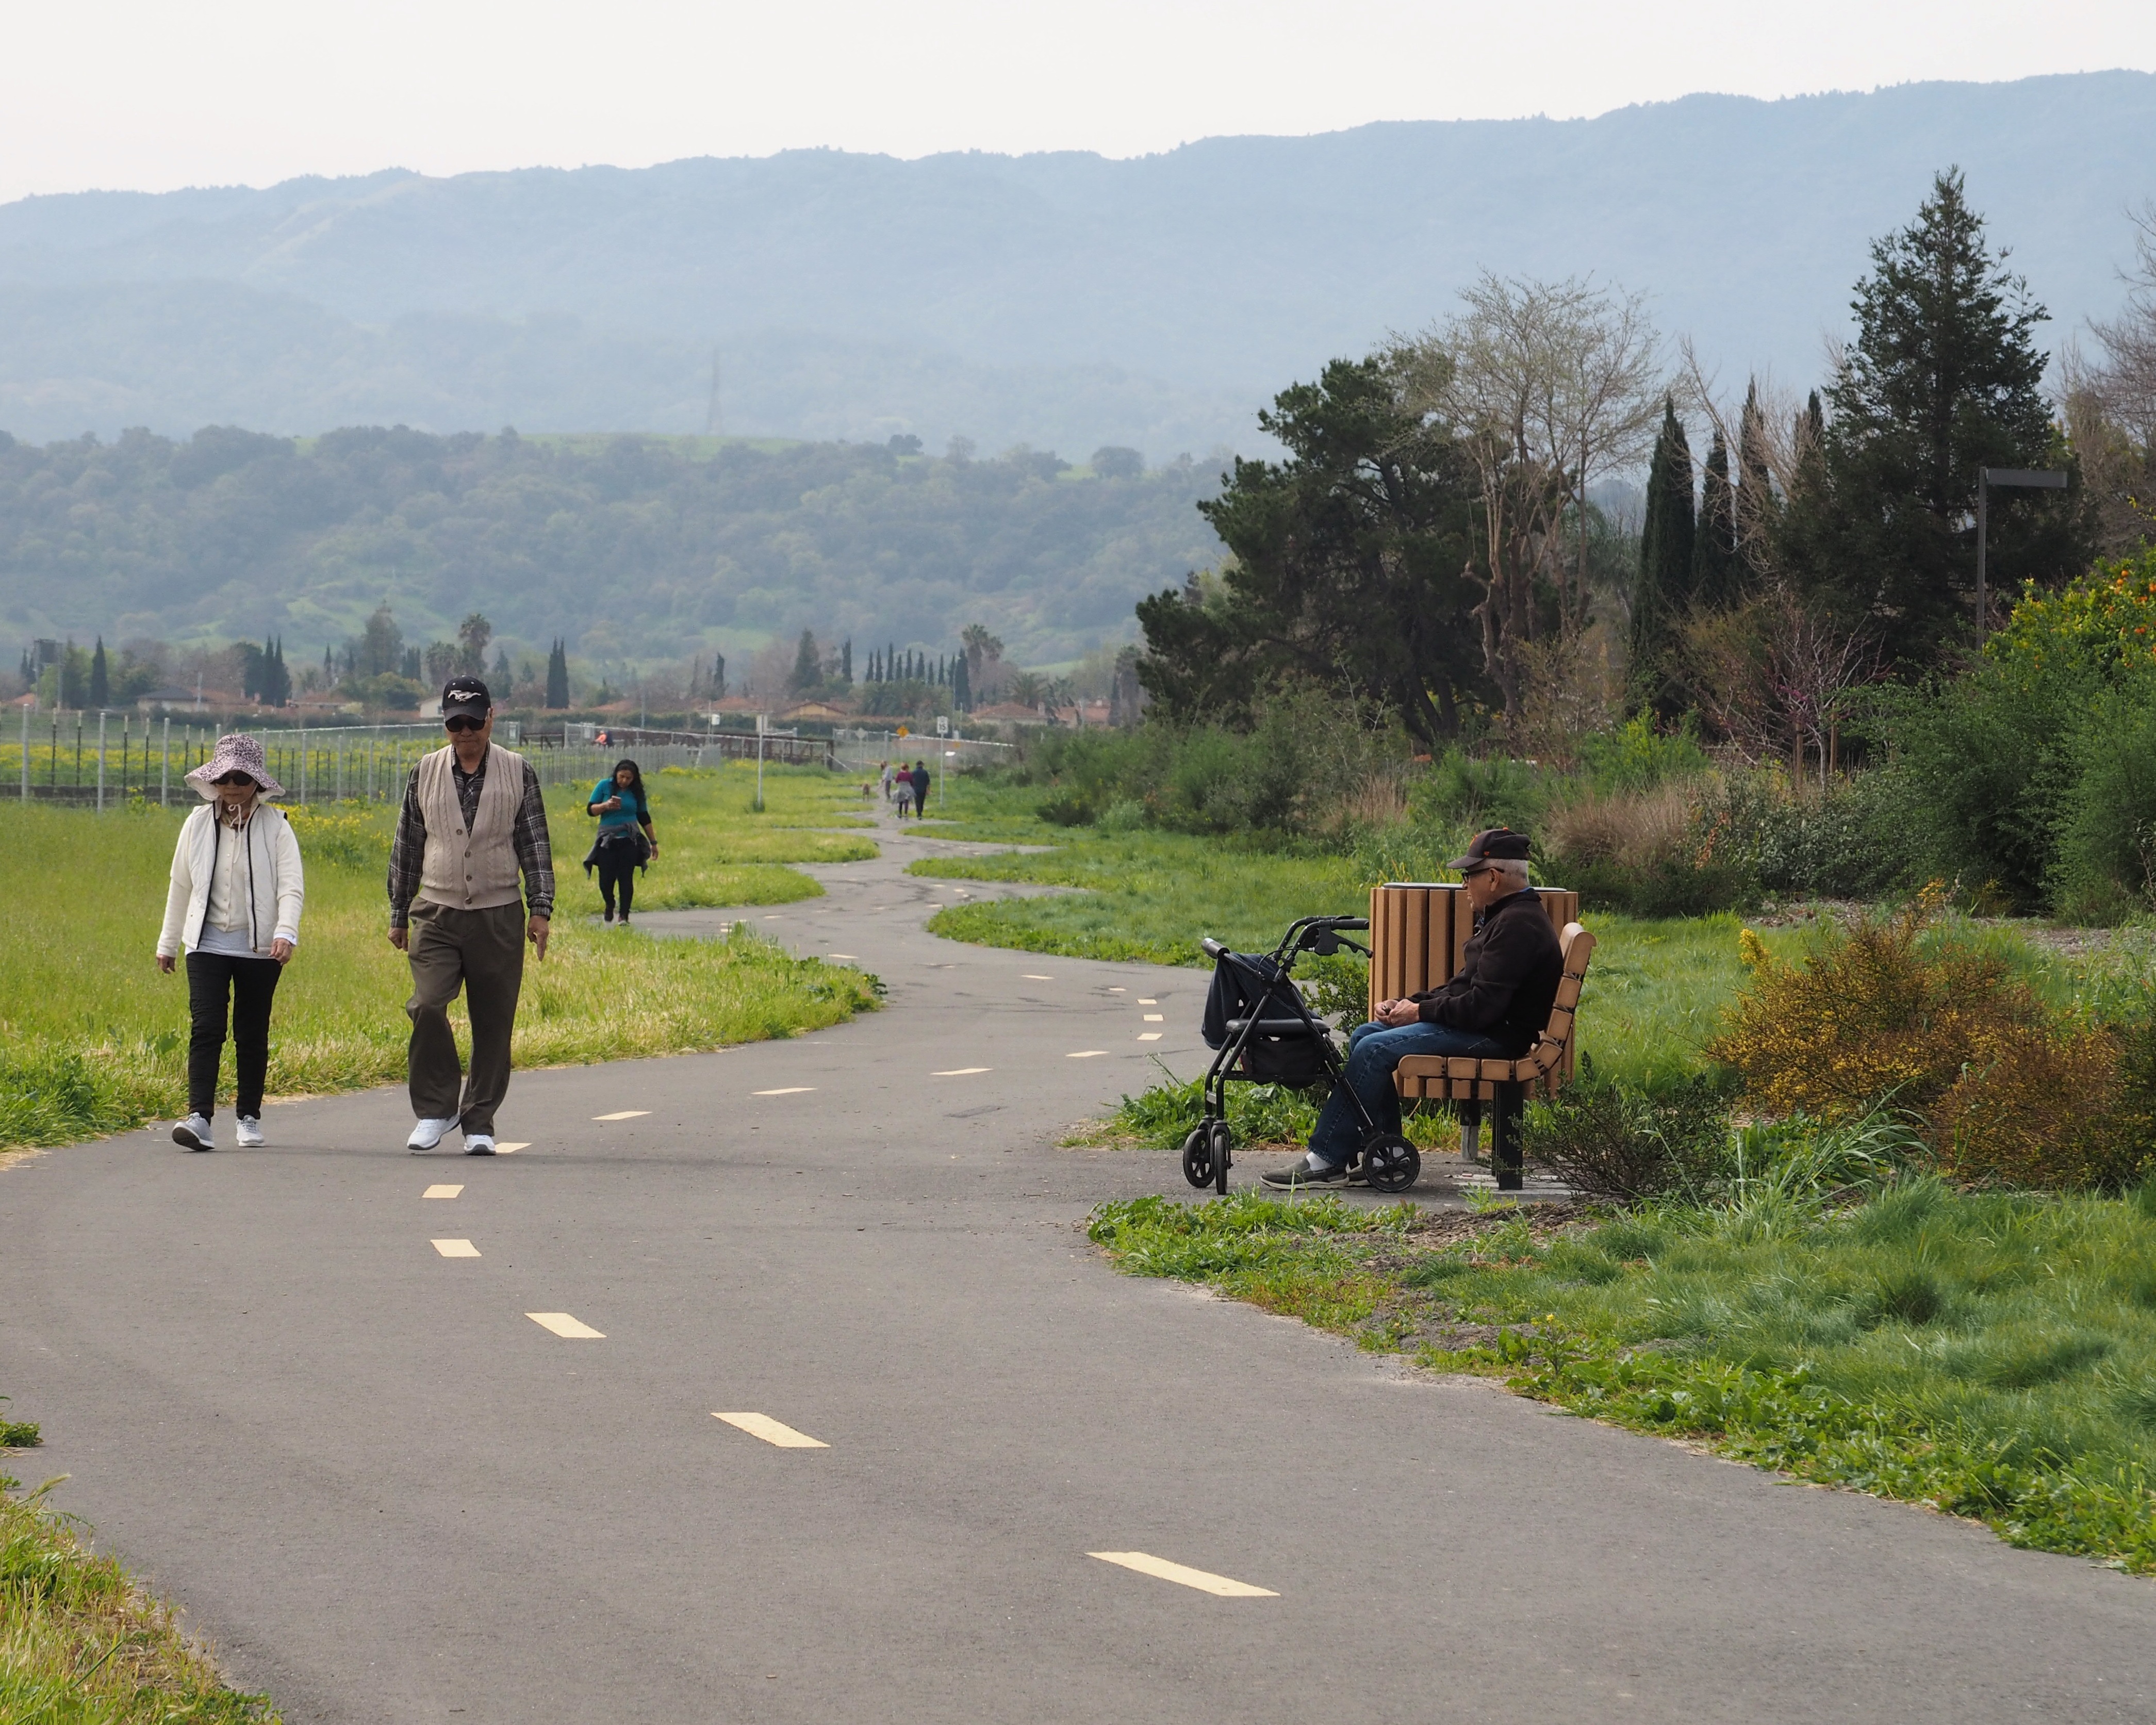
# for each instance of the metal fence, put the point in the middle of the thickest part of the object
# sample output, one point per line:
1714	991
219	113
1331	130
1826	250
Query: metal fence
865	751
109	760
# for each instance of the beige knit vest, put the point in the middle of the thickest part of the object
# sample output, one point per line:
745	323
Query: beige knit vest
473	870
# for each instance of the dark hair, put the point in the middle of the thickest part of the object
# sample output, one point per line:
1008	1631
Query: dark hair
635	782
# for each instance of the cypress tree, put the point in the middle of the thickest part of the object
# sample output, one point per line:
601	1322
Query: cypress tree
1755	491
961	688
718	676
846	662
1663	591
558	676
101	677
1714	572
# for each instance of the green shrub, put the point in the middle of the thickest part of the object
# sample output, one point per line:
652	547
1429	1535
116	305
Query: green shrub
1610	1140
2104	869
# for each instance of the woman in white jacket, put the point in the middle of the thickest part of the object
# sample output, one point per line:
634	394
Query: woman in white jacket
234	903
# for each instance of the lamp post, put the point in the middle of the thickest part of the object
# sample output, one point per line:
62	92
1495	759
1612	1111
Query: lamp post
2041	479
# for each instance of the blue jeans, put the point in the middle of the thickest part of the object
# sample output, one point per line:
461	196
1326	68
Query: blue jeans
1373	1051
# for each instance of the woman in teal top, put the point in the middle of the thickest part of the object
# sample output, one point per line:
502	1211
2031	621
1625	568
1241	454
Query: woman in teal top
626	840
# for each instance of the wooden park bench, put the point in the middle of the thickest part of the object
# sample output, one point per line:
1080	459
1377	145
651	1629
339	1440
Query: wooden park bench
1418	934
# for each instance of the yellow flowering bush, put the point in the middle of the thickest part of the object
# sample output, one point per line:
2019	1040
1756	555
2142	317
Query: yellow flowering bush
1867	1011
2105	622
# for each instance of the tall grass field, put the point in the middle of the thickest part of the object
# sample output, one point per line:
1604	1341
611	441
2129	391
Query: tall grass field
95	1038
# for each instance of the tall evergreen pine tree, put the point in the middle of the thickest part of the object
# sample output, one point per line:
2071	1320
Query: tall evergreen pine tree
1663	591
1755	492
100	677
558	676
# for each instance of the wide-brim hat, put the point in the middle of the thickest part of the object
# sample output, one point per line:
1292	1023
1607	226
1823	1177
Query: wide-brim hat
235	752
1491	844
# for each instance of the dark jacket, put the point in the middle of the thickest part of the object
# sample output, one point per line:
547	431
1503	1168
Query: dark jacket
1507	979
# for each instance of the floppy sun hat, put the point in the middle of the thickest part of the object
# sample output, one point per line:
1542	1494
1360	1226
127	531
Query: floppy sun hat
235	752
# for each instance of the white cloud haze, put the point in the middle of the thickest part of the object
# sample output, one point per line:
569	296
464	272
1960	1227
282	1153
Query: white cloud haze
144	95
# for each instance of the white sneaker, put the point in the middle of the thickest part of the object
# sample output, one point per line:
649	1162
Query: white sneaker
478	1143
192	1133
426	1134
250	1132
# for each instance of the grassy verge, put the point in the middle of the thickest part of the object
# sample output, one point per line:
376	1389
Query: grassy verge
81	1643
1989	1355
95	1038
714	848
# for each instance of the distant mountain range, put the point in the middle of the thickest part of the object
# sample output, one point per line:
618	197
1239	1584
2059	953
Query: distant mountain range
1062	300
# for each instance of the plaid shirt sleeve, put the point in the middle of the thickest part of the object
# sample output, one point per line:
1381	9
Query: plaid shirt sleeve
535	850
408	855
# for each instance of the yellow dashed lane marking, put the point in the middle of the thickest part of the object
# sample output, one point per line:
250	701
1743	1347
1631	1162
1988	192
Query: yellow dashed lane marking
441	1192
848	957
1149	1036
511	1149
961	1072
625	1114
1085	1054
1144	1002
561	1324
1028	977
456	1249
762	1426
1155	1018
792	1090
1204	1581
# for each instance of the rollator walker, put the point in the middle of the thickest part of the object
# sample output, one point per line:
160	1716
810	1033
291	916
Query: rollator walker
1263	1033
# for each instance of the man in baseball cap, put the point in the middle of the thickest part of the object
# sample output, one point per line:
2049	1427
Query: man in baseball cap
473	818
1494	1008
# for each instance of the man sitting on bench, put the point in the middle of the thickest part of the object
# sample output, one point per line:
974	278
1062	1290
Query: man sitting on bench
1493	1010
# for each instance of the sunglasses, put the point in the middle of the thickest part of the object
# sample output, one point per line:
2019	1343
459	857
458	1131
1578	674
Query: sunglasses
463	723
232	778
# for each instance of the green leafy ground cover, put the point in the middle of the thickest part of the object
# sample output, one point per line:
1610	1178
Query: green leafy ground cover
94	1038
1989	1354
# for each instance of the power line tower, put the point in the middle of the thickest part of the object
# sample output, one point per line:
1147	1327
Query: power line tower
711	412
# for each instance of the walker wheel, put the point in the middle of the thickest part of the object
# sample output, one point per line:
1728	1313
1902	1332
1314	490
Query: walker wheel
1222	1140
1198	1159
1390	1163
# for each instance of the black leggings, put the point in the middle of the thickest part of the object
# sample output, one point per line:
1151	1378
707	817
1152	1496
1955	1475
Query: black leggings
618	874
251	984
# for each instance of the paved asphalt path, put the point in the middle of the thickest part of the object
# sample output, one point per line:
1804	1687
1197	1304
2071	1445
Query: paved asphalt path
388	1495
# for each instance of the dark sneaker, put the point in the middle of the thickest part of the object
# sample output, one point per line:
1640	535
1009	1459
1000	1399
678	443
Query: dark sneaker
1304	1174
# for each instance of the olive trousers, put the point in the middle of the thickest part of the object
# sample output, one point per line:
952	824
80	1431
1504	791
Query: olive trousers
481	953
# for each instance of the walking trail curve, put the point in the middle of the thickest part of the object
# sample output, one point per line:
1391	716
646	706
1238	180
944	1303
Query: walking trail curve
386	1493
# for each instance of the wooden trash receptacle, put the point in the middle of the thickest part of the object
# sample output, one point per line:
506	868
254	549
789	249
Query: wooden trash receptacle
1418	930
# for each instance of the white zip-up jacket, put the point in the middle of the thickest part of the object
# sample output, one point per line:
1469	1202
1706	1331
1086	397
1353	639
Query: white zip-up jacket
271	885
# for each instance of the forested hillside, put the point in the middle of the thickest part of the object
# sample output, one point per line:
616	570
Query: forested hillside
625	546
1061	299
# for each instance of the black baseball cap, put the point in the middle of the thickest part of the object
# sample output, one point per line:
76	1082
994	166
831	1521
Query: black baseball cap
467	696
1491	844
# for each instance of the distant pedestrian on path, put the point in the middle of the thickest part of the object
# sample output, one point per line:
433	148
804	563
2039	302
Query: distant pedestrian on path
919	779
473	817
886	781
901	782
626	841
234	902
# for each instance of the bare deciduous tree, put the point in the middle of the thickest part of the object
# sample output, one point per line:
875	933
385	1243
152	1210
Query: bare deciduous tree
2109	402
1547	386
1776	677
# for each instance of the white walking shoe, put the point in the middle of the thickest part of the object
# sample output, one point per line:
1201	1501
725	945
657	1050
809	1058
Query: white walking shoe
192	1133
426	1134
478	1143
250	1132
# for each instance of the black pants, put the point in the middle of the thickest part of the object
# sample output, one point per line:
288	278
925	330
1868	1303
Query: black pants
618	873
250	984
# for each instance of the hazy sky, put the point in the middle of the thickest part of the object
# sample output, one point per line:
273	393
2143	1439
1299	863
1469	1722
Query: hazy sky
149	95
